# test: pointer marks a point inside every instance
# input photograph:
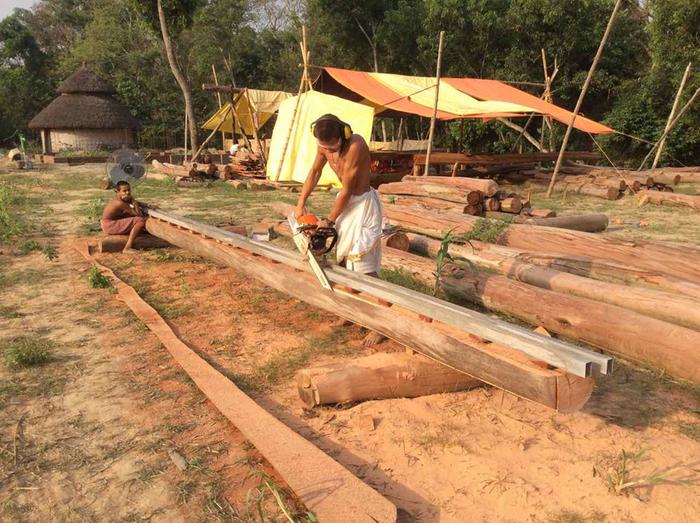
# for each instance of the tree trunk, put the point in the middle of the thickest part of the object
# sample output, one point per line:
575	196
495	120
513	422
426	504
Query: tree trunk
635	336
422	201
487	187
669	198
511	205
668	306
581	222
682	262
499	366
179	77
379	376
440	192
615	329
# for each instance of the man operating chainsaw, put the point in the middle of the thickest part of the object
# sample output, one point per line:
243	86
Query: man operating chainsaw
357	211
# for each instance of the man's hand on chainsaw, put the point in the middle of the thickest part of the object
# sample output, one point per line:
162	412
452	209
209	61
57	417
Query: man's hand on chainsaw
322	224
299	211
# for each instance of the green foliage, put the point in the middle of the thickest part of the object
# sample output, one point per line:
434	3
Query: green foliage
97	280
27	351
617	472
255	44
404	278
488	231
11	223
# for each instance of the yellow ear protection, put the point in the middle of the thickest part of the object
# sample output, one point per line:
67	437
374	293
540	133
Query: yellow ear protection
347	130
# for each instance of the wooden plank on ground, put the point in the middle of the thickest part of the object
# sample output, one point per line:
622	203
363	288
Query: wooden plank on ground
327	488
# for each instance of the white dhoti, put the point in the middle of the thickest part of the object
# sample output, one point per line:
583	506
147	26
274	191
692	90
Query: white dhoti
360	233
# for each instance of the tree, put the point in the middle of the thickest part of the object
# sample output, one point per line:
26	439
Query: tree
23	70
181	80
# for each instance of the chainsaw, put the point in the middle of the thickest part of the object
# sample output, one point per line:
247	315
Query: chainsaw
313	241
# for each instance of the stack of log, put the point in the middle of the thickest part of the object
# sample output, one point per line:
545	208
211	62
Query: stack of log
479	197
609	183
467	195
635	299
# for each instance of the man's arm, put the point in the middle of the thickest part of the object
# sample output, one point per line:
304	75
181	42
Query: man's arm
309	184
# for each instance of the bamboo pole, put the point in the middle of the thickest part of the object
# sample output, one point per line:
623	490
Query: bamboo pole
435	106
581	96
205	142
254	125
670	127
218	98
671	114
302	83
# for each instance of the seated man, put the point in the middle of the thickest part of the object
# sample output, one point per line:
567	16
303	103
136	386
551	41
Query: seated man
357	212
123	215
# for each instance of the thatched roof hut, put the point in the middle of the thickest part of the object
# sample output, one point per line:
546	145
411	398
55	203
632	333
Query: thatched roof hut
85	116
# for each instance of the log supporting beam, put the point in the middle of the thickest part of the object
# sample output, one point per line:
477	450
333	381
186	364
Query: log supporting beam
500	366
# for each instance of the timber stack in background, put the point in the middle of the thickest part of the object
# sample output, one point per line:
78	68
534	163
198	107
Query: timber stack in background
480	197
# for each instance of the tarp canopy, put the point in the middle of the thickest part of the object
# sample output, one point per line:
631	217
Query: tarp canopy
393	95
263	104
495	90
302	148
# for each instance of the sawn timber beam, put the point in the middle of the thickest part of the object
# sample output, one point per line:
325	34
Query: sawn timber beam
575	360
499	366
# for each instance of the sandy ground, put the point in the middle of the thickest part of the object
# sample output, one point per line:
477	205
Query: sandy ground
87	436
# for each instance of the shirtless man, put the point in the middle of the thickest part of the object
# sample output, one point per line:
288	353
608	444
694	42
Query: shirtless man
357	211
123	215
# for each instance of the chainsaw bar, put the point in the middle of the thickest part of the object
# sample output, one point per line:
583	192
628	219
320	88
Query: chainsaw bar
302	243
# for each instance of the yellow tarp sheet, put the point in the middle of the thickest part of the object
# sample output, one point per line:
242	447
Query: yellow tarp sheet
303	147
421	90
263	105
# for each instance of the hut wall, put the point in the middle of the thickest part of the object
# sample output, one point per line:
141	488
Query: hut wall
91	139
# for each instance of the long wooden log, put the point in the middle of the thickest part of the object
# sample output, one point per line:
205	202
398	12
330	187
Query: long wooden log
627	333
587	266
487	187
499	366
668	306
682	262
580	362
579	222
422	201
416	189
669	198
540	213
379	376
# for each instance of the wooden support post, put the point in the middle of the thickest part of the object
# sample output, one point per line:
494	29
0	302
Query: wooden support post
218	99
302	89
672	113
254	125
581	96
211	135
435	106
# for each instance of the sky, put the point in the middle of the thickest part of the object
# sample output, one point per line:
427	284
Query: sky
6	6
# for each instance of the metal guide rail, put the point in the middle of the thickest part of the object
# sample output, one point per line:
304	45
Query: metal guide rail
563	355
